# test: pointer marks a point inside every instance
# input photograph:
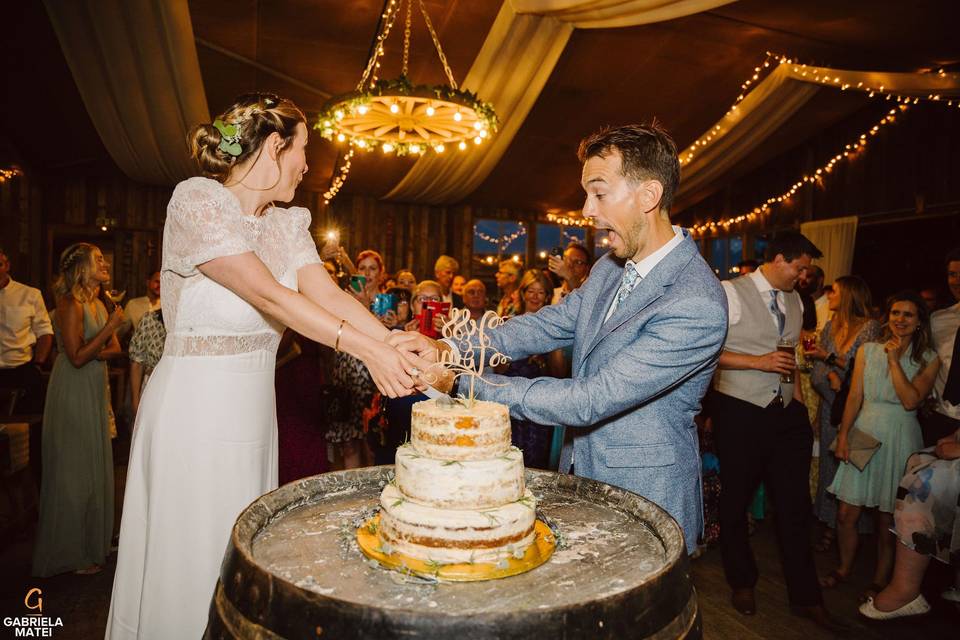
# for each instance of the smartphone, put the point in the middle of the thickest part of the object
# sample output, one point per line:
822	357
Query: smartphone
431	309
358	283
557	251
382	303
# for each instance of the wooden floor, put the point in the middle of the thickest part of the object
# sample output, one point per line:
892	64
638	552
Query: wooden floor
83	601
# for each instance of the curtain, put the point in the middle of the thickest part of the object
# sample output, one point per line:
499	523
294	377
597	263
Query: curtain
607	14
510	71
135	64
836	238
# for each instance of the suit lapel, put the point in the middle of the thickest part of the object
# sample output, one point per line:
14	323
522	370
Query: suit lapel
646	293
599	300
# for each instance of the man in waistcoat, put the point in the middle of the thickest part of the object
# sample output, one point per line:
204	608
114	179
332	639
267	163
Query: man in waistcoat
761	427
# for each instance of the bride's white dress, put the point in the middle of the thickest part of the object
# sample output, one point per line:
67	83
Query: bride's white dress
205	439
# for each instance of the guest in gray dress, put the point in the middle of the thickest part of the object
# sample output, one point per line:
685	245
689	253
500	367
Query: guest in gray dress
76	496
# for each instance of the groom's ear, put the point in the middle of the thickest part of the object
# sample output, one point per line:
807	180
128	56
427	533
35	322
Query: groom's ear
649	194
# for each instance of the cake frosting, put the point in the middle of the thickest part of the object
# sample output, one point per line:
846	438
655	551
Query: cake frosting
458	493
459	484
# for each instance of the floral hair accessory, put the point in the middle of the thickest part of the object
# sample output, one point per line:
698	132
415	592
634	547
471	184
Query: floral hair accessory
229	137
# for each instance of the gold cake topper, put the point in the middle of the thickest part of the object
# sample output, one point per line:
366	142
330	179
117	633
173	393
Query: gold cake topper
473	352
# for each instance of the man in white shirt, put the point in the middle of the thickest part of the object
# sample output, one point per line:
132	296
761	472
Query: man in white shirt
26	337
573	267
761	428
137	307
945	330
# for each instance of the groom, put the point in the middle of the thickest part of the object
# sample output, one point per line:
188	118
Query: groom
646	327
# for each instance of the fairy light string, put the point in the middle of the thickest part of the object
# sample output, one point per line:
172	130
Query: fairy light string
850	151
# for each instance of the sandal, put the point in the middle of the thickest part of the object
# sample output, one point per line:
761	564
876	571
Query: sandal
826	541
832	580
871	592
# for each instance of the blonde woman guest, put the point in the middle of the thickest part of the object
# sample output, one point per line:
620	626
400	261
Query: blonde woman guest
891	378
76	502
236	270
851	326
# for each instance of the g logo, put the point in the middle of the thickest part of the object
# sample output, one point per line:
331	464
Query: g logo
38	600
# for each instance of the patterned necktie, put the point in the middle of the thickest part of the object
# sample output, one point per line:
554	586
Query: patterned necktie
629	281
775	310
951	390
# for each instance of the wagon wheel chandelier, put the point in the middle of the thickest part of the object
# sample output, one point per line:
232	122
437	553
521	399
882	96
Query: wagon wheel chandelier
398	117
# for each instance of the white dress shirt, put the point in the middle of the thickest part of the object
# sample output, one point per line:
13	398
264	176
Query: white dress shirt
943	326
23	319
735	307
645	266
134	311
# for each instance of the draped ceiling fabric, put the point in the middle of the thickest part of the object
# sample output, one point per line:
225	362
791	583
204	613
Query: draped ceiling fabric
135	64
607	14
836	238
513	65
777	98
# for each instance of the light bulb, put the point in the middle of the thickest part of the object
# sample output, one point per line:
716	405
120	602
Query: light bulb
394	108
462	145
477	125
414	148
338	114
457	116
543	254
387	147
362	109
439	148
431	110
477	140
362	144
341	137
516	258
483	133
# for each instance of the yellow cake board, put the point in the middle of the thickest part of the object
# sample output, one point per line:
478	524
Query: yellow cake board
544	544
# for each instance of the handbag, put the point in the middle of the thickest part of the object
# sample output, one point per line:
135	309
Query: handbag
862	447
840	399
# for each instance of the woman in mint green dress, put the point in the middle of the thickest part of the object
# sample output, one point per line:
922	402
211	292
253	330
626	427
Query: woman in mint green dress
891	378
76	495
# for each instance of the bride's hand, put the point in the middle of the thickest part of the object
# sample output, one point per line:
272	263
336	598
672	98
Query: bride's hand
392	371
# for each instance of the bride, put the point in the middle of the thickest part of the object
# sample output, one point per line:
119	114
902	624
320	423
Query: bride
236	271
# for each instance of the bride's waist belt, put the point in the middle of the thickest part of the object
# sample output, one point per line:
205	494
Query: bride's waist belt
179	344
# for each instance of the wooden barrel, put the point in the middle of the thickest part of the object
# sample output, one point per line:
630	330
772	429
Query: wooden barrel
293	570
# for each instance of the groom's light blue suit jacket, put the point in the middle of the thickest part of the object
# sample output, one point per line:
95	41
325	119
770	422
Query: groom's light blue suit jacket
637	381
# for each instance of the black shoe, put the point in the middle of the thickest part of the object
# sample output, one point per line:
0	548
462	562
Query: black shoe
743	601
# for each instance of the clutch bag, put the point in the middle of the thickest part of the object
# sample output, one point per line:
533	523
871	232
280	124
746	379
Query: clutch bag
862	447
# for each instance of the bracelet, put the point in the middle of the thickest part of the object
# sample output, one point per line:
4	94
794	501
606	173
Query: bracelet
336	345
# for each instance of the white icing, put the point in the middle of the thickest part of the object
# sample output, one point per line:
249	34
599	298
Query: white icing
455	484
406	525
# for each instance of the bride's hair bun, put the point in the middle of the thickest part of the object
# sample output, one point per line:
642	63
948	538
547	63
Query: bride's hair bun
255	116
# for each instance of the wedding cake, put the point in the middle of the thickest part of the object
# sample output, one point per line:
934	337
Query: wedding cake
458	495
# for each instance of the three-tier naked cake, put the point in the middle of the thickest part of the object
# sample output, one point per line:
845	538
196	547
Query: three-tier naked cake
458	495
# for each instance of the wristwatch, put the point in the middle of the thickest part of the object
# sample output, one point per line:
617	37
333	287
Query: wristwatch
831	359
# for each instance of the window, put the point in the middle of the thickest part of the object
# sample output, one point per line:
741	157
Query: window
495	240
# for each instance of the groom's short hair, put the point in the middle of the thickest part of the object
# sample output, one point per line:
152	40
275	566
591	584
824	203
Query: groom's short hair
647	152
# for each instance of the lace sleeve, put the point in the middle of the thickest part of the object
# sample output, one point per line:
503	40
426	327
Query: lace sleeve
201	226
303	249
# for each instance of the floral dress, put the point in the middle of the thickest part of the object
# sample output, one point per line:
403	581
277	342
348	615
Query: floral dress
927	514
825	504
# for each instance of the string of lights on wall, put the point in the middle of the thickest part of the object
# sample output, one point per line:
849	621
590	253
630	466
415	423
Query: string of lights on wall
569	220
818	75
340	178
503	241
849	152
